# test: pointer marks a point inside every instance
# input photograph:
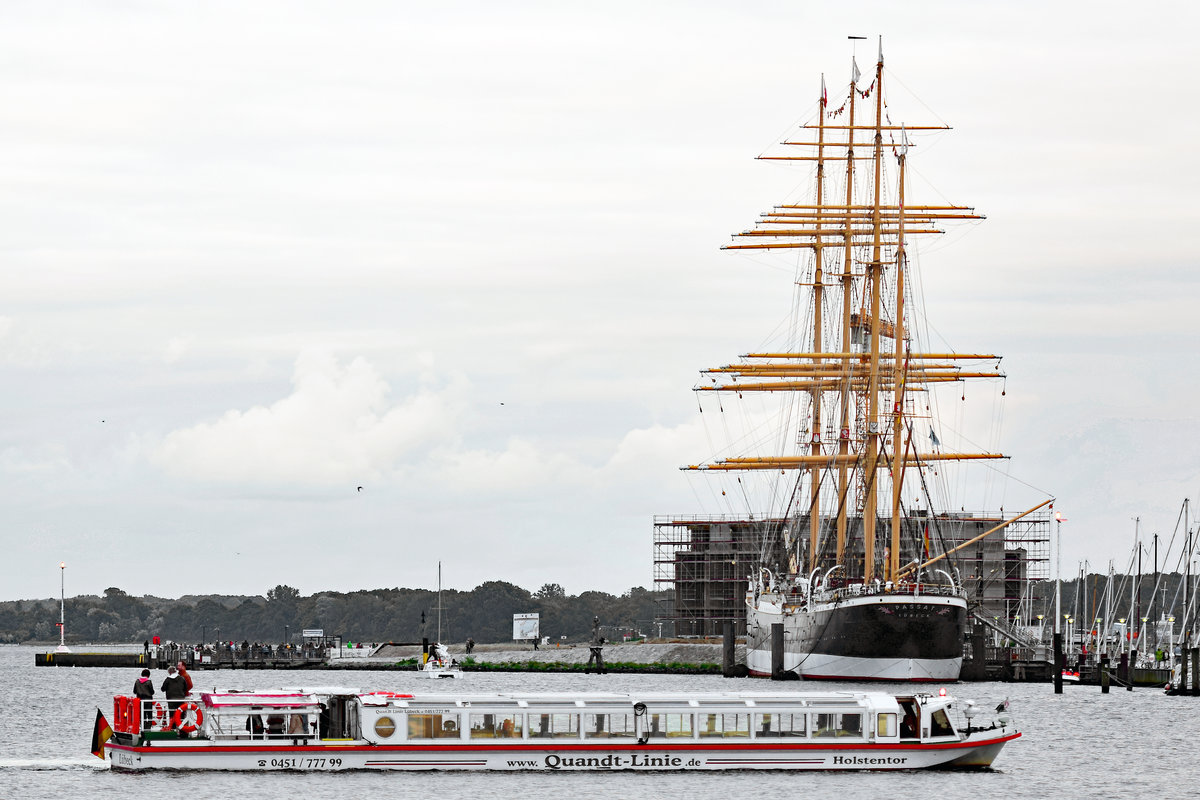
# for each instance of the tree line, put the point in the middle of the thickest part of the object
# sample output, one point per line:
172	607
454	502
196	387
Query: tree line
376	615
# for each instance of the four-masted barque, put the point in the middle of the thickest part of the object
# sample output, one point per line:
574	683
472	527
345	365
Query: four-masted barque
854	576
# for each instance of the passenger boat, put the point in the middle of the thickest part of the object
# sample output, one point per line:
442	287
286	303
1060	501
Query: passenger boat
837	422
332	729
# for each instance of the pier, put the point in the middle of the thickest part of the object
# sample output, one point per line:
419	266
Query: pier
223	657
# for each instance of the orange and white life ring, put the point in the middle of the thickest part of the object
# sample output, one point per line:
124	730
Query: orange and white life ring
195	717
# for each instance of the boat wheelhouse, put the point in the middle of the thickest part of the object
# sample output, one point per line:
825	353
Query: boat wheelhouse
342	729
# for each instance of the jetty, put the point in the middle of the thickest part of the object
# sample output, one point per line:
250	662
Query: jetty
223	657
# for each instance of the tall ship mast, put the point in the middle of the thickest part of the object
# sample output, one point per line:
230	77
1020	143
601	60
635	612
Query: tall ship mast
849	566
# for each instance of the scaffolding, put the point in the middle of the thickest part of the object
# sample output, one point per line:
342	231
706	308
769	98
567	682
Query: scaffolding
706	563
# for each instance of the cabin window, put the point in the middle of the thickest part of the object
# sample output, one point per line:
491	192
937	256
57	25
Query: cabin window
662	726
885	725
433	726
725	725
553	726
771	726
496	726
838	725
385	727
603	726
940	724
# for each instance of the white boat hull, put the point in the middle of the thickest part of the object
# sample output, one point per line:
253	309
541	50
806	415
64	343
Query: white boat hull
438	674
975	752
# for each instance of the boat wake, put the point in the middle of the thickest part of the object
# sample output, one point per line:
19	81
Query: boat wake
51	764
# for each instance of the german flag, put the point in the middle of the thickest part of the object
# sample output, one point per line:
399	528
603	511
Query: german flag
101	735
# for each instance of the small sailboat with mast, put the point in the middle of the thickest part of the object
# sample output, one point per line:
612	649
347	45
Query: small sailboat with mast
857	578
438	663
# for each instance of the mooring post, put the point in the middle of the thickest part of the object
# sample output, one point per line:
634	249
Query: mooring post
776	651
978	654
1104	673
1059	661
727	649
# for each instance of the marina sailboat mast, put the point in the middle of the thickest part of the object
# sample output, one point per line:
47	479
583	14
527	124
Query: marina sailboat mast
858	397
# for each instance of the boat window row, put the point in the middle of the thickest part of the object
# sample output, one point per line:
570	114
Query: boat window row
617	725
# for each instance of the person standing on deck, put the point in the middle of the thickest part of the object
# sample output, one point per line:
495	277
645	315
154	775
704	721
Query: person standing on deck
175	689
143	690
597	647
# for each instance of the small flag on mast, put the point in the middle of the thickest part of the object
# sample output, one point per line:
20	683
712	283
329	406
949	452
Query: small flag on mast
933	438
824	96
854	73
100	735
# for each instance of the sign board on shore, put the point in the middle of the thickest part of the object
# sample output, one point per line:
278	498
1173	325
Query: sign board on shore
525	626
314	633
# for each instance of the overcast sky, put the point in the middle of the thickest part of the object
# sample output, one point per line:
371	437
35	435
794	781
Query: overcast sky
466	256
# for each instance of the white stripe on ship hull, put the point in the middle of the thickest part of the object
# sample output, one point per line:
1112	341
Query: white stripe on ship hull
882	669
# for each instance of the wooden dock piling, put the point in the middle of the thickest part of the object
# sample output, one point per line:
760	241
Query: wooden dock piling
1059	662
727	649
777	651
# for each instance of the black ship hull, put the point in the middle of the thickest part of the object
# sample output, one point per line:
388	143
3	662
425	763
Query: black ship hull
884	637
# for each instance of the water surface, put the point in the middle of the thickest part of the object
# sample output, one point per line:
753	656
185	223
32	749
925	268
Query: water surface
1073	745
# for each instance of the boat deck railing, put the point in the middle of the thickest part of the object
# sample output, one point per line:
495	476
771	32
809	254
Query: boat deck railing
152	718
836	592
261	724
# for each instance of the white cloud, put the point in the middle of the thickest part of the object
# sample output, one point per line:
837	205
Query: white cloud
176	348
512	471
41	460
336	427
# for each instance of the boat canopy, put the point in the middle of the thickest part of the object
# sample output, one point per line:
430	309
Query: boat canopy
232	700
